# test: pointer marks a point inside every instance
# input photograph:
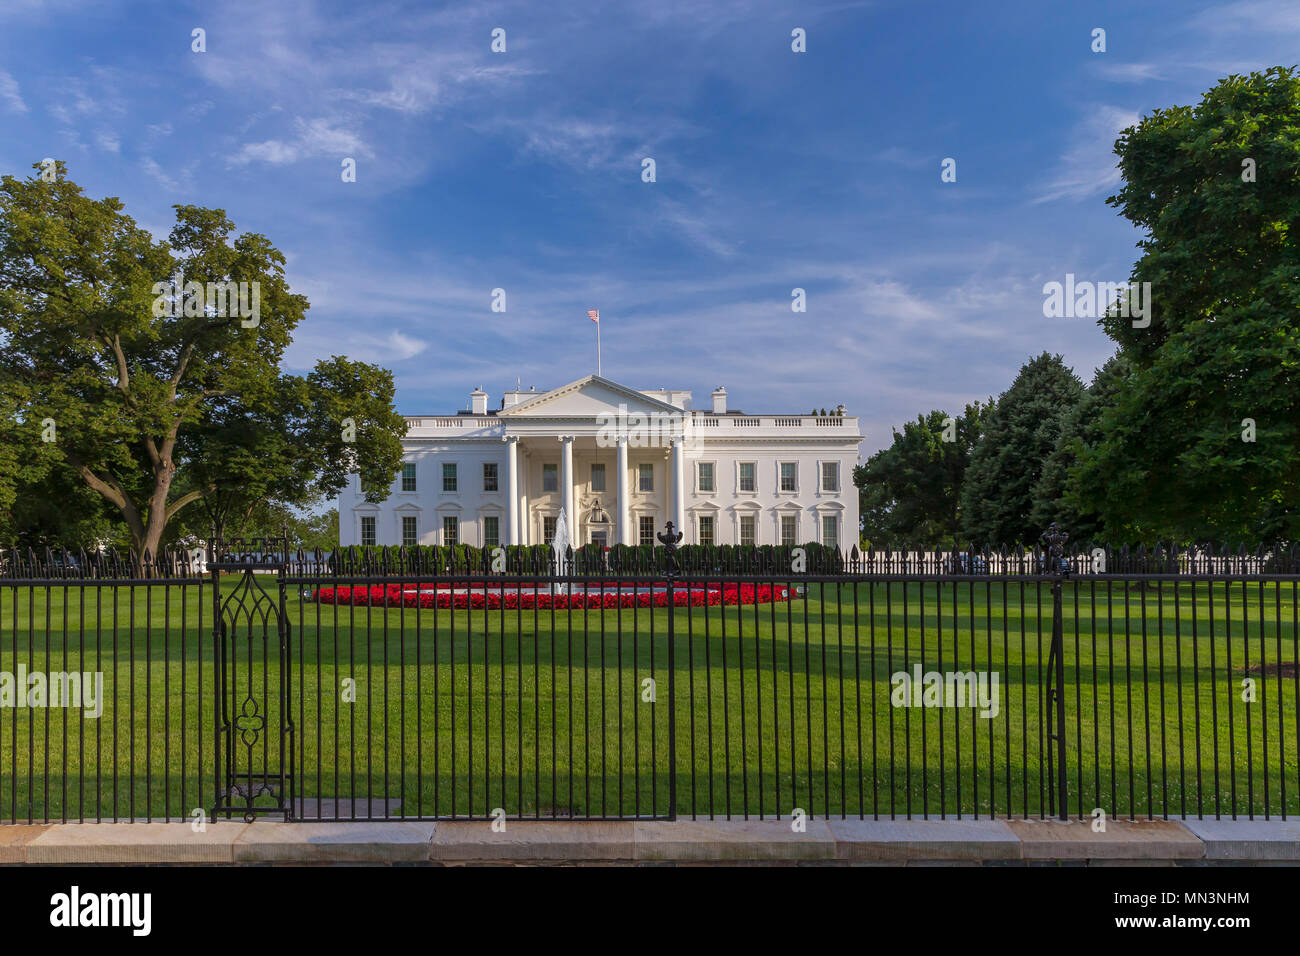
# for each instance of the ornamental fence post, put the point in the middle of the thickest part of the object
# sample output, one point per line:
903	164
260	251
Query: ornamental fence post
670	539
1054	540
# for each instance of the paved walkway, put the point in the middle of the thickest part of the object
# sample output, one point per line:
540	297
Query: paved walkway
919	842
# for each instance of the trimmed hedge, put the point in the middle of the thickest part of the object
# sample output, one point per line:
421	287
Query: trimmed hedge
588	559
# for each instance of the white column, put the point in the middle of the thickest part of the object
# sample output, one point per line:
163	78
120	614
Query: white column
566	486
512	488
525	515
679	489
624	532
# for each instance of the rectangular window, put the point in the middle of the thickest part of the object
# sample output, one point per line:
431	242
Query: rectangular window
409	539
789	528
548	530
747	529
489	476
491	531
449	477
830	531
830	476
408	476
645	477
368	530
747	476
788	476
550	477
706	529
450	530
705	483
597	477
647	528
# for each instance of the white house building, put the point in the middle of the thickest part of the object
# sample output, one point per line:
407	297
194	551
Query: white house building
621	463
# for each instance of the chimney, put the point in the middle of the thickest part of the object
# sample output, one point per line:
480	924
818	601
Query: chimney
478	401
719	401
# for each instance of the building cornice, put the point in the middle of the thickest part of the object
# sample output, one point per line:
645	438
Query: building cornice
513	412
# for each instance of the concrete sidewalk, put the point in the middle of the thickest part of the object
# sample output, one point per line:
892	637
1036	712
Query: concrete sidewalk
835	842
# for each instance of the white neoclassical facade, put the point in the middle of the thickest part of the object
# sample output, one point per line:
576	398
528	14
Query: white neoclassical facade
620	462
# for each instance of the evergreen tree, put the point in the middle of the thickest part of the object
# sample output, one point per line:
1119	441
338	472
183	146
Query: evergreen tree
1006	464
1056	496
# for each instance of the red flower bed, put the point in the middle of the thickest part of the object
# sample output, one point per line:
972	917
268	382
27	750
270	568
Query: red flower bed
445	596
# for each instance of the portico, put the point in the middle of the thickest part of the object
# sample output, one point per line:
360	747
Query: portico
603	489
606	466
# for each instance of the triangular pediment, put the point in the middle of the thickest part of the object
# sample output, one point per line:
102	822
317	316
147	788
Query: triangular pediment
587	398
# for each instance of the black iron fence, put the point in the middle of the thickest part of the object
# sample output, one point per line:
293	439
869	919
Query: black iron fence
248	680
763	560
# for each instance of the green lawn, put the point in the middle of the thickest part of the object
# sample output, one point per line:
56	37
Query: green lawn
776	706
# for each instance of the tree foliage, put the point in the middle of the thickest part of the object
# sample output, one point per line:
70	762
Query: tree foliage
1057	496
154	412
1007	462
911	491
1222	352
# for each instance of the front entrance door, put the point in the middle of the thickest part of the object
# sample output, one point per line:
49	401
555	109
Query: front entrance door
599	537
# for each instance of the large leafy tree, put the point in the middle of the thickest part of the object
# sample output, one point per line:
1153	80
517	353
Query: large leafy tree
1007	461
911	491
1216	189
155	408
55	509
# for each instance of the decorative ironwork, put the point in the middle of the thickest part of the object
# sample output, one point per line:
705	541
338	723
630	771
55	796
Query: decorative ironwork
670	540
254	738
249	723
1054	539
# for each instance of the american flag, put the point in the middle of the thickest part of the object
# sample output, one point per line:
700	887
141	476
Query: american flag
594	315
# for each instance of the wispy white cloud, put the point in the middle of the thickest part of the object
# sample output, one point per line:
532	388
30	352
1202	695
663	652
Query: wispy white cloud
97	94
18	9
158	175
312	138
1089	166
677	218
423	83
1120	72
1268	17
602	141
323	340
9	94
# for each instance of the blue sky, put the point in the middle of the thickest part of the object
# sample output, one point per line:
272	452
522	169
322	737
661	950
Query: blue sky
522	170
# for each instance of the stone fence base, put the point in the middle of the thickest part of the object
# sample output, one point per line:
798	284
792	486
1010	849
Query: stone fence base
1190	842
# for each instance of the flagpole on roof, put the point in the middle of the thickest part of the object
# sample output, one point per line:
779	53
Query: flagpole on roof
594	315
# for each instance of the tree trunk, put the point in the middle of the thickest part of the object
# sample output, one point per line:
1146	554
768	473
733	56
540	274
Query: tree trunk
164	471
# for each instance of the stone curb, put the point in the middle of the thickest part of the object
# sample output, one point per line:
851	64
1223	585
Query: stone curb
1122	840
135	843
908	840
887	842
733	840
1247	839
465	840
390	842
